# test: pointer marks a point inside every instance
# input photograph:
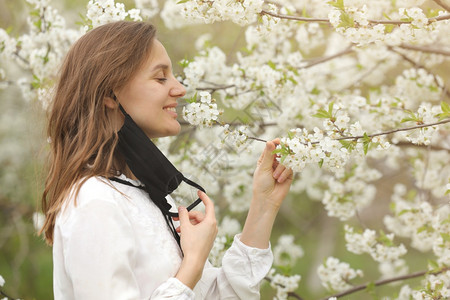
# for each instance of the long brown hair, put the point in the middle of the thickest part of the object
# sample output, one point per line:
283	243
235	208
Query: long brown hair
81	129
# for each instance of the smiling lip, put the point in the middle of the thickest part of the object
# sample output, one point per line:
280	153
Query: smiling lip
171	109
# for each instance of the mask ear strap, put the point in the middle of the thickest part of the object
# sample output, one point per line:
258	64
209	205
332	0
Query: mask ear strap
192	183
120	105
193	204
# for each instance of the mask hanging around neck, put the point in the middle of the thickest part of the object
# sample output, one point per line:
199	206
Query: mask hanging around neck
151	166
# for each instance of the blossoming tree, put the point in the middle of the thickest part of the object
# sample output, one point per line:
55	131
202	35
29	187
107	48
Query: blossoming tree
358	92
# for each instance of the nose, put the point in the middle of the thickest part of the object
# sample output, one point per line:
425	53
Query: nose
178	90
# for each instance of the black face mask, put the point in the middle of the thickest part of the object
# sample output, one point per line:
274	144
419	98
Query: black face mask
151	167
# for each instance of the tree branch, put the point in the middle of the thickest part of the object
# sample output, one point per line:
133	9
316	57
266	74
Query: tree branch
260	125
296	18
388	22
385	281
321	60
5	295
371	135
425	49
442	4
431	147
390	131
417	65
215	88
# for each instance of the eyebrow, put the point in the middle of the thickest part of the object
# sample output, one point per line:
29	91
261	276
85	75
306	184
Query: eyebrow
160	66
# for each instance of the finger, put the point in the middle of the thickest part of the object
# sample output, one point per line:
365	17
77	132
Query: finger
209	205
178	229
285	175
267	157
275	164
278	171
183	215
196	216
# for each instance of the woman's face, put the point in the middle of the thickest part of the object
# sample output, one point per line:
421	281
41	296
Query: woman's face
151	96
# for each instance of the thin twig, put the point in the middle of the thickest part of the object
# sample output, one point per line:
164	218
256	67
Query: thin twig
384	281
215	88
24	60
261	125
361	78
431	147
346	51
256	139
390	131
425	49
387	22
2	293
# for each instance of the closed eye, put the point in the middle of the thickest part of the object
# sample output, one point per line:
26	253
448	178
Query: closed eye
162	80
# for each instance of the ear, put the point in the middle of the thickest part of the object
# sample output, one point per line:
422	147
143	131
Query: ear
110	103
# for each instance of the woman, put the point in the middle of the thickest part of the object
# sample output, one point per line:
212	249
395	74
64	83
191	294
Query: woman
110	239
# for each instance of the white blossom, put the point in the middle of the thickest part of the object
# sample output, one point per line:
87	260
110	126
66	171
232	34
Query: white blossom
335	275
286	252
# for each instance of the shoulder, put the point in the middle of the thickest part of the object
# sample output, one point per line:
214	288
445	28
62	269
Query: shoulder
96	188
92	189
94	192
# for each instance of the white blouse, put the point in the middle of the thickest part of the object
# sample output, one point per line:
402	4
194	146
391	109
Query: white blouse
115	244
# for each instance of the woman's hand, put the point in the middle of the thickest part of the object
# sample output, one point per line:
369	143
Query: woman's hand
271	183
197	232
195	217
271	180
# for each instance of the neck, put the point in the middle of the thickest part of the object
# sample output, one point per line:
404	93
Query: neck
127	172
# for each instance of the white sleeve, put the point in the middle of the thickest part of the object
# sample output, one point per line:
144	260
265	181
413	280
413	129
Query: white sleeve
243	269
99	256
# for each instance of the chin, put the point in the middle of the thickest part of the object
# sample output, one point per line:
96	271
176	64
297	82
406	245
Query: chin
175	130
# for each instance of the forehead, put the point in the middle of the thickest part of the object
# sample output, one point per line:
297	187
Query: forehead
158	55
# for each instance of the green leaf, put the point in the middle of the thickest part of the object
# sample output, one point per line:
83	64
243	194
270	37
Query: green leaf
384	239
433	264
346	20
321	113
366	142
291	79
349	145
321	163
191	100
370	288
183	1
36	83
411	117
291	134
388	28
330	108
445	107
338	4
272	65
445	237
426	228
277	151
315	91
443	116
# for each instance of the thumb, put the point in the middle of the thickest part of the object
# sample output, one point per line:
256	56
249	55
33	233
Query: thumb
267	157
183	215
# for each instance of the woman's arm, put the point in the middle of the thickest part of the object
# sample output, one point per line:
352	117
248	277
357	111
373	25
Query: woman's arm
271	183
